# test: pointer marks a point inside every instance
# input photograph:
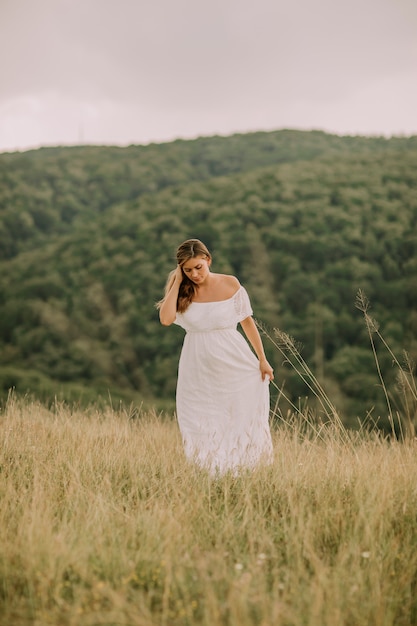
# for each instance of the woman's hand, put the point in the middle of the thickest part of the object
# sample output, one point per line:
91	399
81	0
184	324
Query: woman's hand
168	307
179	275
266	369
255	340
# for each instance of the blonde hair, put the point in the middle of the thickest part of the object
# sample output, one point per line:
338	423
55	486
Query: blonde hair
187	250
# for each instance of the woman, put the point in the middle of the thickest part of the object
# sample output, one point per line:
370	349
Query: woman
222	389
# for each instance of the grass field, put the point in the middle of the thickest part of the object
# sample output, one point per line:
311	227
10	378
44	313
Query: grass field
103	522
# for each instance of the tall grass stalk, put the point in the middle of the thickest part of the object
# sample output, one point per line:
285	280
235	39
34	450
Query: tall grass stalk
287	347
103	522
406	381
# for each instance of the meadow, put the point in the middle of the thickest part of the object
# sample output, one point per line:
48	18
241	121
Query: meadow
103	522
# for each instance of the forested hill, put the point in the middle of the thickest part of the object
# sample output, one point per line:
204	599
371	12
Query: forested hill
88	234
45	192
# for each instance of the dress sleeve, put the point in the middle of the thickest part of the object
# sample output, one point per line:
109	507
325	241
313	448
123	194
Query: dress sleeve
242	303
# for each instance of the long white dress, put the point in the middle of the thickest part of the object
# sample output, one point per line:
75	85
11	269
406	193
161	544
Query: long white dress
222	401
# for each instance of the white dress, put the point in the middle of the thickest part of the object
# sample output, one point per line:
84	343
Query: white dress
222	401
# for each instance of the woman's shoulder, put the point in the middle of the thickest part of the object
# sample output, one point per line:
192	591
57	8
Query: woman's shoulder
221	287
228	284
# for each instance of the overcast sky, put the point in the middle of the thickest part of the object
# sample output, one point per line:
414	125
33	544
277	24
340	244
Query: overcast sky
136	71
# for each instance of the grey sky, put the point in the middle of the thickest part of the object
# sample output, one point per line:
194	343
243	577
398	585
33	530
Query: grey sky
134	71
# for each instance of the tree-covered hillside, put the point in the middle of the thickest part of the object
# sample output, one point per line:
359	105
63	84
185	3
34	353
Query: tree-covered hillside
44	192
304	220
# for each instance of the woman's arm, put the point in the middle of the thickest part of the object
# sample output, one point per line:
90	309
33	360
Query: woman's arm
168	308
255	340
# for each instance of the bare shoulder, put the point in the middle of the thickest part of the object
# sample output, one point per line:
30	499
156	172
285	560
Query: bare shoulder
227	285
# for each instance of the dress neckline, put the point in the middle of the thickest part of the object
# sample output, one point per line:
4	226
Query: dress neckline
218	301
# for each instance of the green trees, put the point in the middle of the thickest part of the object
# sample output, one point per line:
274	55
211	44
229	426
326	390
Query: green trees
88	235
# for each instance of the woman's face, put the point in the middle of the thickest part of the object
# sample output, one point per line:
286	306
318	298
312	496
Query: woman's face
197	269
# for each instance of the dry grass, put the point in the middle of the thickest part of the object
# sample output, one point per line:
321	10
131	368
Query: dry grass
104	523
